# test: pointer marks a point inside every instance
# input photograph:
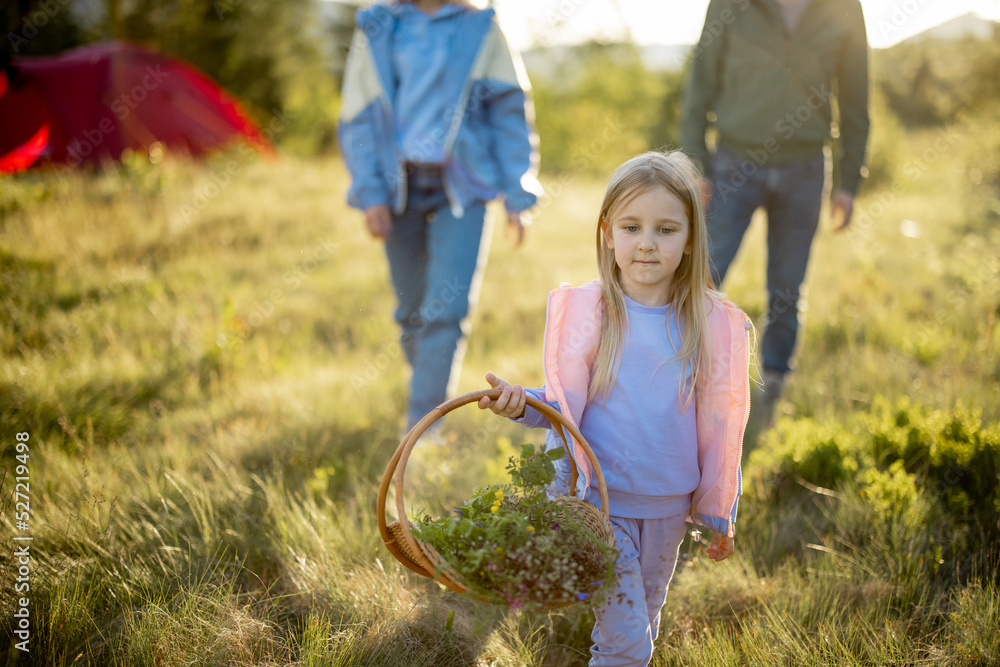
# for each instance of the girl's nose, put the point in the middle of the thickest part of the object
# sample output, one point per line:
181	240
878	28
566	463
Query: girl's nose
647	242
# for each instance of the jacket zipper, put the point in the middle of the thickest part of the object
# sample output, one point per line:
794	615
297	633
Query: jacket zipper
746	416
401	179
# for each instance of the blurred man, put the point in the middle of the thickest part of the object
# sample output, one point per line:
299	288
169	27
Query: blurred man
763	75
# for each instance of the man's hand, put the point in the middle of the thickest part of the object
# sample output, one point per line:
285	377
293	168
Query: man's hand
705	189
515	228
720	548
379	221
510	403
841	208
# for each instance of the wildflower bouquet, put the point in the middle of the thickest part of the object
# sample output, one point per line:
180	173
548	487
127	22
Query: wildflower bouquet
513	545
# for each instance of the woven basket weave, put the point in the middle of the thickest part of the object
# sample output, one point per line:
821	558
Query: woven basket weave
421	557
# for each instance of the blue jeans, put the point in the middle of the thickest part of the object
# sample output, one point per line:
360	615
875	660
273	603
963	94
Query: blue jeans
435	263
792	196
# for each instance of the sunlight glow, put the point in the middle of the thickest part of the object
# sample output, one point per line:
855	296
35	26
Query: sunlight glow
530	23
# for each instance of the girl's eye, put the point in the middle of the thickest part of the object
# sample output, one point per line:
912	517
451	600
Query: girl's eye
631	228
666	230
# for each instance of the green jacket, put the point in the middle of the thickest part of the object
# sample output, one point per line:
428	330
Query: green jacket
770	90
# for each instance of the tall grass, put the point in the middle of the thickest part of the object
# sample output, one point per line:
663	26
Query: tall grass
212	387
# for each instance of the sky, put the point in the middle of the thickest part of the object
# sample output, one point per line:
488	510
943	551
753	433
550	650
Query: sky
529	23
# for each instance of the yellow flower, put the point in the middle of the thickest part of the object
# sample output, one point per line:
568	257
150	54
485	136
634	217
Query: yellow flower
494	508
531	529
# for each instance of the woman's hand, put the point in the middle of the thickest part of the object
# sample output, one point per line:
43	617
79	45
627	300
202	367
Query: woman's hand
379	221
721	547
511	401
515	227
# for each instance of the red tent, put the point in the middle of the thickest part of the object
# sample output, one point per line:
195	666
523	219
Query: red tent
94	102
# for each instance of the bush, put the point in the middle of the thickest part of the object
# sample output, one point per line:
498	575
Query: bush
972	641
935	474
600	109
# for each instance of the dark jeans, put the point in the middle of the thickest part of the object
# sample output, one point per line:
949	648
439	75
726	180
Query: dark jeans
436	264
792	196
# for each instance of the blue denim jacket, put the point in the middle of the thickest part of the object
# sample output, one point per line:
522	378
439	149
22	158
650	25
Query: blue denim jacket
490	147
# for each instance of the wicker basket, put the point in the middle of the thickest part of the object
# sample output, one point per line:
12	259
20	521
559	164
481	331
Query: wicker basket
421	557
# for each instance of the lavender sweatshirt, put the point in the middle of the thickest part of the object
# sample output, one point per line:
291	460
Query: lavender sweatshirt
646	444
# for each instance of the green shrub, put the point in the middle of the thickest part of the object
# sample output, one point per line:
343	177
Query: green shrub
930	478
953	456
972	627
600	109
893	492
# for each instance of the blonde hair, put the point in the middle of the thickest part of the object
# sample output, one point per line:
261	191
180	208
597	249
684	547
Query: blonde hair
692	281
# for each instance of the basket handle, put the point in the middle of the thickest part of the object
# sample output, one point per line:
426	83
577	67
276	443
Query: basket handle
402	455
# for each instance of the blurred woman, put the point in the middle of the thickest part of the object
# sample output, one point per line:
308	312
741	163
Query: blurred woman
435	122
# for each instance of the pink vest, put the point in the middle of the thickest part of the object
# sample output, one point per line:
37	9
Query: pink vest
722	399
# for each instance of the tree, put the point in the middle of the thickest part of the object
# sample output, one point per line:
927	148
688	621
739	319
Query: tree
600	106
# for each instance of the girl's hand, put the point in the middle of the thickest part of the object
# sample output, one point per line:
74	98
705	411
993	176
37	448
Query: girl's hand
720	548
510	403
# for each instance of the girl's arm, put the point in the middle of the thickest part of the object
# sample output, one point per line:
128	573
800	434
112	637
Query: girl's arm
512	403
719	524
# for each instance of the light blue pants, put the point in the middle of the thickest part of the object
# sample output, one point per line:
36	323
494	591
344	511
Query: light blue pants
628	622
436	262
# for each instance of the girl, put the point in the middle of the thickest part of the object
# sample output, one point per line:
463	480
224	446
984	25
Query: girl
434	123
652	365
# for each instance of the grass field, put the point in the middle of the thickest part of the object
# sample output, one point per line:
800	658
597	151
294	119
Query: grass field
206	366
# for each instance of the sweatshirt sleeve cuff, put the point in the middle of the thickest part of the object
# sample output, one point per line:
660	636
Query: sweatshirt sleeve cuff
368	198
518	202
532	418
717	524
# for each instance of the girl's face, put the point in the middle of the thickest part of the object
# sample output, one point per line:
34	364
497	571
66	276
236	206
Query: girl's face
649	236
